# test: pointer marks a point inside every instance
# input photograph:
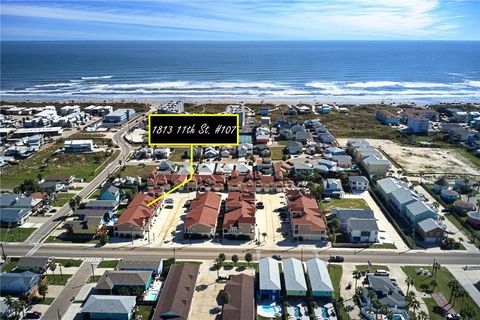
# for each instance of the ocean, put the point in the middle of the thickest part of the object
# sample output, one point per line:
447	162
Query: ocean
434	71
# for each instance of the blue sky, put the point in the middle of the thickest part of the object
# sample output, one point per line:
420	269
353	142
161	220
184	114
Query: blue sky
241	20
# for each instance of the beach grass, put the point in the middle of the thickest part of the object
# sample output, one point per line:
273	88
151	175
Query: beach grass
344	203
50	162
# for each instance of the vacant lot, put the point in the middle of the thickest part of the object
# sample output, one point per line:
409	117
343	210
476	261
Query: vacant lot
140	170
344	203
427	160
48	161
15	234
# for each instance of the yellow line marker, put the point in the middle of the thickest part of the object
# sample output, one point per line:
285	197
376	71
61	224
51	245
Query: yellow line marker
181	184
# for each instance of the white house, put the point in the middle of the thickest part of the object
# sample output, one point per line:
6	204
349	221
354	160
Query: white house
78	146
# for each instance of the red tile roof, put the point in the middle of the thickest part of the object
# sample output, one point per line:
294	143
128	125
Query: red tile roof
204	210
305	210
137	212
239	209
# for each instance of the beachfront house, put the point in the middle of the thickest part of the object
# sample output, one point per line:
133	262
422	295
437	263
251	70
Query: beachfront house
295	284
105	307
319	278
269	283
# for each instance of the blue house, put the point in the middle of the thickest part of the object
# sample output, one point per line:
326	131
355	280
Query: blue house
418	211
449	195
332	188
18	283
109	192
440	184
110	307
319	279
270	286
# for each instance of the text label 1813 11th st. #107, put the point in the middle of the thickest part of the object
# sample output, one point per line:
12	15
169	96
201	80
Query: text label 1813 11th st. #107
188	129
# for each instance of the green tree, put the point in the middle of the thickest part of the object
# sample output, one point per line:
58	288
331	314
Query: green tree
453	285
52	267
415	305
372	296
334	225
264	235
74	202
356	275
248	258
434	284
224	297
217	264
235	259
222	257
422	315
468	312
408	282
43	289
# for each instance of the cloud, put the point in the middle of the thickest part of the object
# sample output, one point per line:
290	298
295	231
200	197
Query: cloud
262	19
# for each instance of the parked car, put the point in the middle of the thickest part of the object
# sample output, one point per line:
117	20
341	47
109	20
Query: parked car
336	259
260	205
33	315
277	257
452	316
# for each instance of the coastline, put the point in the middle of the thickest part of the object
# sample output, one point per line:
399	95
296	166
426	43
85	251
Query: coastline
237	100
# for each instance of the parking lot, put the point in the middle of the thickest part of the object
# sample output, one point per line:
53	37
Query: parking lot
268	219
205	303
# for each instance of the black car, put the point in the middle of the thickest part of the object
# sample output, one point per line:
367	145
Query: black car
277	257
336	259
260	205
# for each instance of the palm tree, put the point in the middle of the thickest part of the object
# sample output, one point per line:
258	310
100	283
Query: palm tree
43	289
224	296
334	225
248	258
458	293
468	312
422	315
53	266
371	295
462	294
434	284
436	266
409	298
235	259
217	264
408	282
453	285
264	235
356	275
415	304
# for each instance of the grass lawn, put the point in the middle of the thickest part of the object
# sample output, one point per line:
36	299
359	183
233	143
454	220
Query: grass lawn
57	279
336	272
7	267
107	264
373	267
68	239
469	156
69	262
137	170
344	203
93	279
177	154
47	162
431	304
423	283
145	311
383	246
15	234
62	199
277	153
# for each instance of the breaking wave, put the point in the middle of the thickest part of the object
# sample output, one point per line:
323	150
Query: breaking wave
102	86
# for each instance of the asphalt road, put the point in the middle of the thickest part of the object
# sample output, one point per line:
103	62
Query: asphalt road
61	304
197	253
59	216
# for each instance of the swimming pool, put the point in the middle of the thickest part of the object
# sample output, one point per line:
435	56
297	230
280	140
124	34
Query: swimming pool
296	312
268	311
151	295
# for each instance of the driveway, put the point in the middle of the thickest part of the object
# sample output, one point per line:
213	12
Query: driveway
62	303
468	279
